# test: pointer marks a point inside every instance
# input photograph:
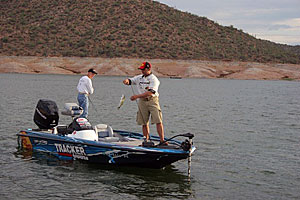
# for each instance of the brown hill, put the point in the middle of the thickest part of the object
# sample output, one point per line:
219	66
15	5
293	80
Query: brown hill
126	28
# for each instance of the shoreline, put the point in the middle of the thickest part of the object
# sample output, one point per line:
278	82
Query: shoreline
160	67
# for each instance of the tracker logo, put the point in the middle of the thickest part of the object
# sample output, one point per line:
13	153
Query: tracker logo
71	151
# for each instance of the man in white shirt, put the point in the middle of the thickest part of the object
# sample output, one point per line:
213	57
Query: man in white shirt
85	88
147	86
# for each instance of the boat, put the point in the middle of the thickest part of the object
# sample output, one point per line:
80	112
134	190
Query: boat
175	77
99	144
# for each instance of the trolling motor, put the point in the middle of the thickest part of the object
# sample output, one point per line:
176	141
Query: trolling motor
186	145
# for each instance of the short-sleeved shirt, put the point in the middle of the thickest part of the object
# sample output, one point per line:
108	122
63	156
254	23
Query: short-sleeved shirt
146	83
85	85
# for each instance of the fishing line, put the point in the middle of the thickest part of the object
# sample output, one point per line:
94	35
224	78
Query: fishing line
93	105
138	106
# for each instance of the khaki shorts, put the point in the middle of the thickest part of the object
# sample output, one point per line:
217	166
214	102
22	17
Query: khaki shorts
147	107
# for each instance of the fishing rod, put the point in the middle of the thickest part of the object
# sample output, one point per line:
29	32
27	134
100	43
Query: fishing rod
93	105
136	101
138	105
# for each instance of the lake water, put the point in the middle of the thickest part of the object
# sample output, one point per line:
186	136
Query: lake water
247	135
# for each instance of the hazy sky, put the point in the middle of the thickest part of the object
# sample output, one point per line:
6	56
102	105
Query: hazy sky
274	20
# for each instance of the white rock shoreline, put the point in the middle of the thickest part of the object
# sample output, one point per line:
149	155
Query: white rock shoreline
161	67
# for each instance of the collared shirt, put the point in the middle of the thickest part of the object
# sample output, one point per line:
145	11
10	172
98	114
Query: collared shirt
85	85
146	83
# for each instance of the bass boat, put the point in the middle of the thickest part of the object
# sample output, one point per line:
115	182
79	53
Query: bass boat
99	144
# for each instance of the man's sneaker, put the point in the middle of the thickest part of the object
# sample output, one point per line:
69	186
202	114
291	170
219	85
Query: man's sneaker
147	143
164	143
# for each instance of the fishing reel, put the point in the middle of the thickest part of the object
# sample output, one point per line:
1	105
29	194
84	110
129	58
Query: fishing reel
186	145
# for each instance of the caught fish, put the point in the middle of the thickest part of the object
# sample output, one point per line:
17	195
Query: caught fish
121	101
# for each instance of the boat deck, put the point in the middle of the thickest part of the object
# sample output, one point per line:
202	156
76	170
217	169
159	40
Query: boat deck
120	140
139	143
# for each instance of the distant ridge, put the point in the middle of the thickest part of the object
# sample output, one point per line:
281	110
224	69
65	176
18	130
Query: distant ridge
129	29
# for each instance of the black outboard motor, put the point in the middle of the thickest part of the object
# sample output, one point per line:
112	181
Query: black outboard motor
46	114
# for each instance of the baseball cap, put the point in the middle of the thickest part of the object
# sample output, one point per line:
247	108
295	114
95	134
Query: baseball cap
93	71
145	65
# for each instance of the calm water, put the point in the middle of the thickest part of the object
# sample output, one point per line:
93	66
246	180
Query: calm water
247	139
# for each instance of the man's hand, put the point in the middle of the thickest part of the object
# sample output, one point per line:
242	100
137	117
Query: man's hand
134	97
126	82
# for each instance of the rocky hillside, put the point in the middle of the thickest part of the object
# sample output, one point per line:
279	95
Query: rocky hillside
161	67
128	29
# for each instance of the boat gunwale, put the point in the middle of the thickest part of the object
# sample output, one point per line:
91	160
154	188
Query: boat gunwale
157	150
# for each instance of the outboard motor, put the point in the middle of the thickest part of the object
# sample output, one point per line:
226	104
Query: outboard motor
46	114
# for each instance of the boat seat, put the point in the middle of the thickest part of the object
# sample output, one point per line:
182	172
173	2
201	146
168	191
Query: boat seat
106	133
72	109
104	130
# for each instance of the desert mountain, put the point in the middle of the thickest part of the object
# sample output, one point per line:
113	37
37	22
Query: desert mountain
127	29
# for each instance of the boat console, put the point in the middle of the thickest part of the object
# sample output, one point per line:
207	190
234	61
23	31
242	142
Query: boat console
81	127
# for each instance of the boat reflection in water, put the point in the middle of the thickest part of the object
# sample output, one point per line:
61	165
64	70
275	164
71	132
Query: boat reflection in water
138	182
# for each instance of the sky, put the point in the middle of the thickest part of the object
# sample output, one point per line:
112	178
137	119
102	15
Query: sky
274	20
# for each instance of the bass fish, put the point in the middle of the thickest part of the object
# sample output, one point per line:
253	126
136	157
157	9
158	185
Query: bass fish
121	101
